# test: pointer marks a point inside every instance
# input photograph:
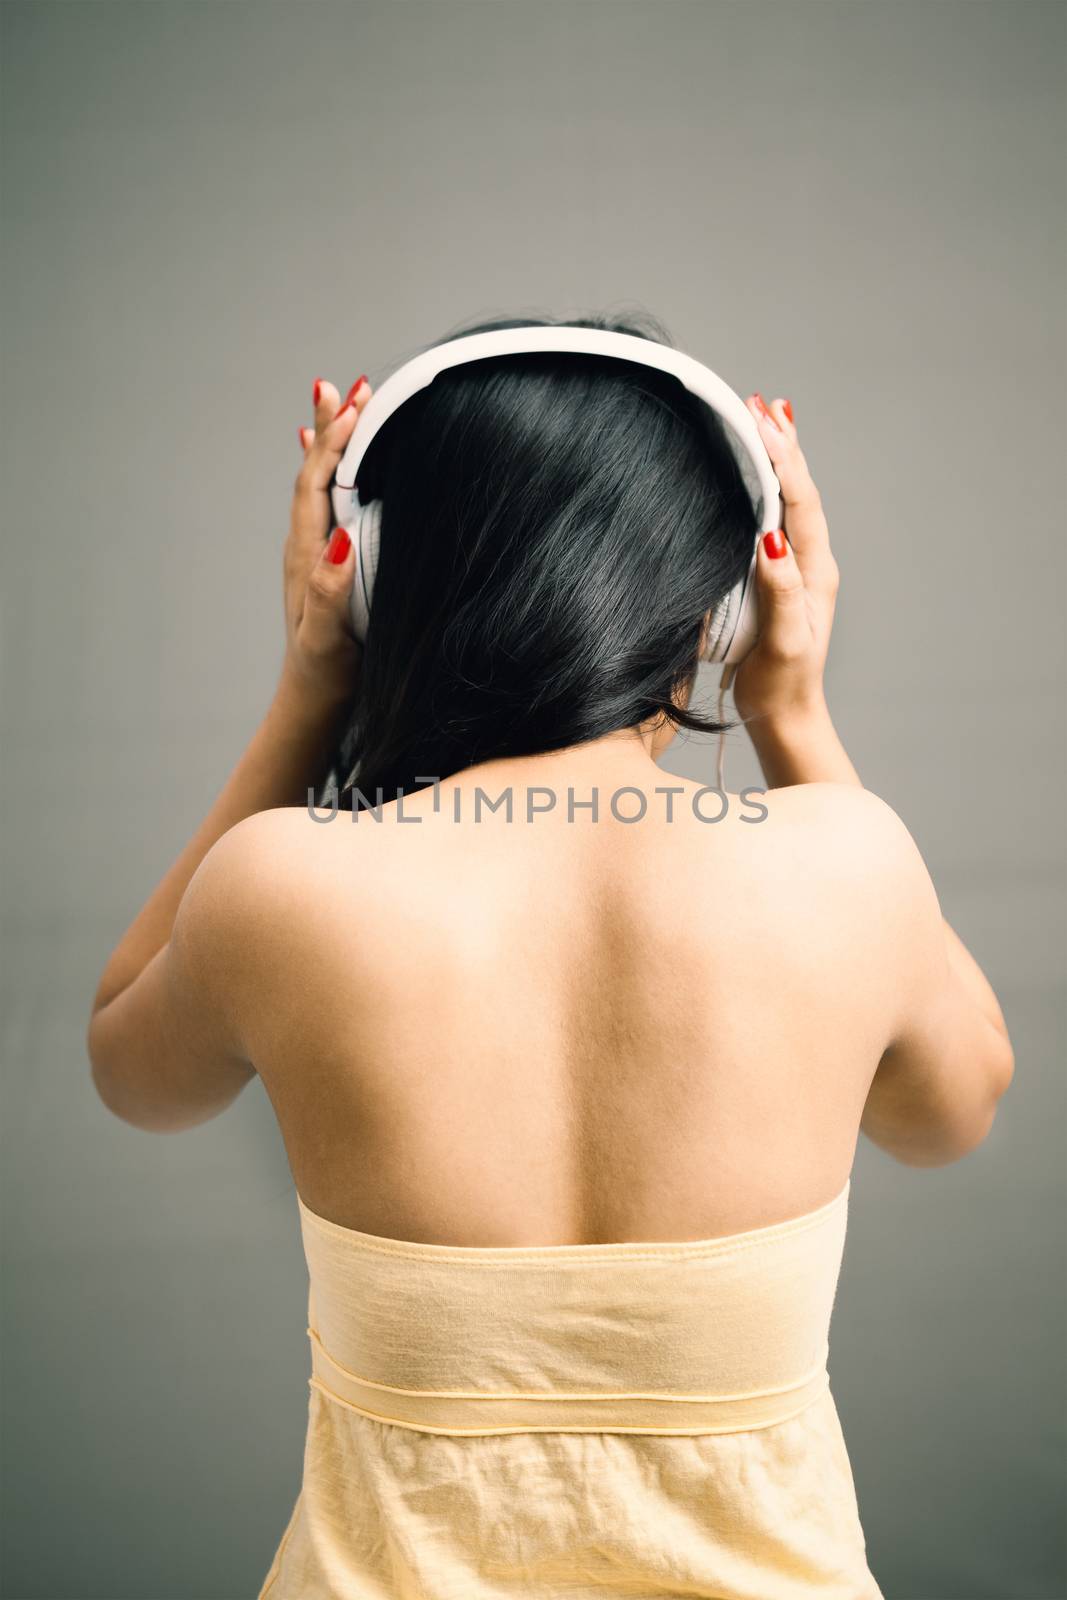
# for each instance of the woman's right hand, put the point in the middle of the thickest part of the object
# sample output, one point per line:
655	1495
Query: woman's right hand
781	678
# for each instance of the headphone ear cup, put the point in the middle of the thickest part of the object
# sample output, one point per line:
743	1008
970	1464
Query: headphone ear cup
733	626
366	534
723	624
745	621
716	628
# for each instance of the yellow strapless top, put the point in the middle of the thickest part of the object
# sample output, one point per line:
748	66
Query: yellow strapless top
645	1420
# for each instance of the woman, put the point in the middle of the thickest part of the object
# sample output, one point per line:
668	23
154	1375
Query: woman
570	1091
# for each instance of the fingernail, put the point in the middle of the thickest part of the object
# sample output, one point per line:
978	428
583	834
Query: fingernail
300	436
761	406
316	392
788	409
346	407
774	543
338	547
351	395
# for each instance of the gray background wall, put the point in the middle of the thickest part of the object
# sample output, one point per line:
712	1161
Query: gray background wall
204	207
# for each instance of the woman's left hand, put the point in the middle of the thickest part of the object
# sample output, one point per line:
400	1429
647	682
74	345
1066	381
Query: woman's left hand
322	655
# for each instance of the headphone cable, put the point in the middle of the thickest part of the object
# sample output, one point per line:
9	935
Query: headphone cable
720	760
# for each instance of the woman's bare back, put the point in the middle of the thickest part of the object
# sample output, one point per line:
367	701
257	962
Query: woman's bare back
566	1031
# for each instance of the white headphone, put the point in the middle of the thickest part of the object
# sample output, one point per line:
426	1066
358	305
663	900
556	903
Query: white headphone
733	630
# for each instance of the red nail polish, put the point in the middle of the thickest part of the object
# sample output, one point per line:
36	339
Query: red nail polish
351	395
774	543
300	436
316	392
761	405
338	547
788	409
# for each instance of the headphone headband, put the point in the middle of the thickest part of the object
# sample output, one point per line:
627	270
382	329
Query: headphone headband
735	628
422	369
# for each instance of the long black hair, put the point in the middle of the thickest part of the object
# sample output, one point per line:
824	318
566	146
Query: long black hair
554	528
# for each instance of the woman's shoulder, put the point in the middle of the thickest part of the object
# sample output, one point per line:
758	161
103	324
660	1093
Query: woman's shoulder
288	859
265	844
847	852
842	822
848	806
269	850
277	886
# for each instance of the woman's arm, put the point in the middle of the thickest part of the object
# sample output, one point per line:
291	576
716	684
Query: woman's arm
152	1000
940	1079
